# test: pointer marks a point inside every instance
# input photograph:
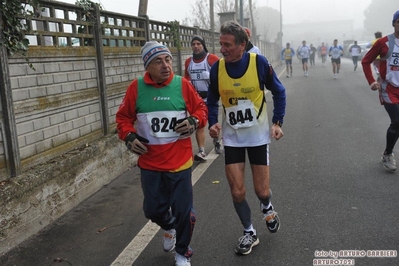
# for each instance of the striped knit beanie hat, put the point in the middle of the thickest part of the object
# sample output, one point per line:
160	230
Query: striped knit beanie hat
151	50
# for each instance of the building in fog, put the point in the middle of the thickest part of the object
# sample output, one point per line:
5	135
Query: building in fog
324	31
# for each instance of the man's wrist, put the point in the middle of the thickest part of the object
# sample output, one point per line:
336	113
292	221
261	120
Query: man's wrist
130	137
279	123
196	122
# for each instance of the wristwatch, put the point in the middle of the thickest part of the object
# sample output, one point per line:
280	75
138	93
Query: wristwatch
196	122
279	123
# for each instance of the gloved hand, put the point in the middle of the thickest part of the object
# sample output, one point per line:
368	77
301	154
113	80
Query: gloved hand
186	126
134	143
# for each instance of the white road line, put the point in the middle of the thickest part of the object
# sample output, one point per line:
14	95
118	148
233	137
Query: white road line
281	73
143	238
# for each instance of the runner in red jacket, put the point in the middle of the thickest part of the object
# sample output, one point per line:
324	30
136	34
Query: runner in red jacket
155	119
387	84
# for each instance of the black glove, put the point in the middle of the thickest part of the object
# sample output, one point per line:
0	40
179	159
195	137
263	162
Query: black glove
134	143
186	126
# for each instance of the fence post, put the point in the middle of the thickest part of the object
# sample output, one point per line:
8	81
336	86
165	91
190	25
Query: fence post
11	138
147	29
174	34
101	81
179	56
143	13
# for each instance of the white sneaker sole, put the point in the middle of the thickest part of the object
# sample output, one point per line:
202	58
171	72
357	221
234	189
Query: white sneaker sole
250	249
199	159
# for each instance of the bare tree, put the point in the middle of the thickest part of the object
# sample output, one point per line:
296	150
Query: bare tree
200	15
267	21
200	12
225	6
251	15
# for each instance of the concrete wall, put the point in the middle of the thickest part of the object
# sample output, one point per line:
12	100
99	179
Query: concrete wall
43	193
58	103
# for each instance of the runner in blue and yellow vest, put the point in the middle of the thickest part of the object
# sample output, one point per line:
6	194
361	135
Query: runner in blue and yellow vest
239	80
287	54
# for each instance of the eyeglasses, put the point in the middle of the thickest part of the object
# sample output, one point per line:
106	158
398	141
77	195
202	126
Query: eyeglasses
160	62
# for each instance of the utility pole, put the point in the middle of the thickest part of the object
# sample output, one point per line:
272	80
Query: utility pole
281	28
253	28
212	17
236	9
143	8
143	13
242	12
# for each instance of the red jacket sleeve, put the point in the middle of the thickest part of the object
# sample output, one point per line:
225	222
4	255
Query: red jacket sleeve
126	114
379	48
186	64
212	58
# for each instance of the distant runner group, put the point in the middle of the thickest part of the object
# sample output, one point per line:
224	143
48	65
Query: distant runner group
306	54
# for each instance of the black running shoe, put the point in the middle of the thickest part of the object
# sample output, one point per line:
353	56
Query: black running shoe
246	242
271	218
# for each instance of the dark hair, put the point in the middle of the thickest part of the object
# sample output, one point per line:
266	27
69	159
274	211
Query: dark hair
235	29
378	34
201	40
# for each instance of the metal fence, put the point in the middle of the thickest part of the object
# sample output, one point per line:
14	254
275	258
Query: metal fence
62	24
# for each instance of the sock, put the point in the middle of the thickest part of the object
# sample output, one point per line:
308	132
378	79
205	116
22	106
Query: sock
266	207
244	213
266	203
250	228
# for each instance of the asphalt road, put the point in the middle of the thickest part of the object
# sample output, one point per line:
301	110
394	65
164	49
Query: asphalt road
334	198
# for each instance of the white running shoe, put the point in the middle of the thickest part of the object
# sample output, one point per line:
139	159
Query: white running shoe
218	146
182	260
200	157
169	240
389	162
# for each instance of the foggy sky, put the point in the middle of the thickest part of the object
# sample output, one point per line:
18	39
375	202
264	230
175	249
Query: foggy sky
294	11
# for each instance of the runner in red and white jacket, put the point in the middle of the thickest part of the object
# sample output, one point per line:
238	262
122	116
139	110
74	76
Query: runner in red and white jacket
387	84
